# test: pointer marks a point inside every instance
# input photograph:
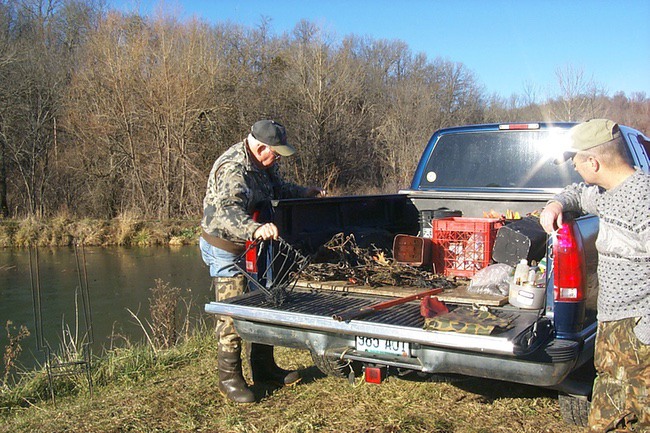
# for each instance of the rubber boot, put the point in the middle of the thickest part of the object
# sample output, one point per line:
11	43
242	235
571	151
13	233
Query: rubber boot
264	368
231	381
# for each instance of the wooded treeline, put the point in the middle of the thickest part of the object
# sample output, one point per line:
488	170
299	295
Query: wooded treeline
104	113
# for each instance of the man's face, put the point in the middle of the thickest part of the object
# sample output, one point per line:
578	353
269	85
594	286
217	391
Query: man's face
583	164
267	156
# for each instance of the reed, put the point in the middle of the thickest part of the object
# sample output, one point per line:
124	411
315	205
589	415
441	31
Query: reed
7	232
168	322
90	232
28	232
13	349
127	224
57	231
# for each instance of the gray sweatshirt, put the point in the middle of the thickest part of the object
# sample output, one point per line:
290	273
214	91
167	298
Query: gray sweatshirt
623	246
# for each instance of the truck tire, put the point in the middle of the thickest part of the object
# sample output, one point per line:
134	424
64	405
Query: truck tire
574	409
335	367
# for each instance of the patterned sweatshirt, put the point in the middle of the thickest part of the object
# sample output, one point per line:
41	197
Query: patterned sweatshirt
236	188
623	246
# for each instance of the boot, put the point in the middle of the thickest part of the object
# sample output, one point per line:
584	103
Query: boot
264	368
231	381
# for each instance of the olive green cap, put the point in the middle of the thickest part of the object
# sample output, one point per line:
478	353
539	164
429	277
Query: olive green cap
591	133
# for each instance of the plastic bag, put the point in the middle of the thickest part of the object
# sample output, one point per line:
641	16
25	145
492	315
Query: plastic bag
492	280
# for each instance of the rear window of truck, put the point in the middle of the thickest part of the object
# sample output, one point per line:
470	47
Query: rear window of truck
503	159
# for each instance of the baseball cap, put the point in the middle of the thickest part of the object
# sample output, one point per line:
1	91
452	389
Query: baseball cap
589	134
272	134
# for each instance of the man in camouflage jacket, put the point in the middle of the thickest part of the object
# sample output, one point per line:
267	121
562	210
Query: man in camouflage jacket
243	180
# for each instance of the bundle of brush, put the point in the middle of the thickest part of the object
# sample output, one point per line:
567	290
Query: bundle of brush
342	259
273	267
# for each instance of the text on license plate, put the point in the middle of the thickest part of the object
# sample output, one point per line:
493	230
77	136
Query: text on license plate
378	345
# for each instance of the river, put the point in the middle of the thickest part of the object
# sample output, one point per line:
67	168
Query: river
119	280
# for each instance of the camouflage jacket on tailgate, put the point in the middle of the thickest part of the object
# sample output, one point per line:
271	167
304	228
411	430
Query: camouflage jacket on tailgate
237	188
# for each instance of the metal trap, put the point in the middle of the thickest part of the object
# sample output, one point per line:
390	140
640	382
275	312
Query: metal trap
74	357
272	267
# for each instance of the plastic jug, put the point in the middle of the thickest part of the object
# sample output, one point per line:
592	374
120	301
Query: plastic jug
521	272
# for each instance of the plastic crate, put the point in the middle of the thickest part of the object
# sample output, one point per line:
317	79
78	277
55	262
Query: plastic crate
412	250
462	246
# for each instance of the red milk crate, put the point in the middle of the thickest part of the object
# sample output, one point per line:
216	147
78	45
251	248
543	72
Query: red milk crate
462	246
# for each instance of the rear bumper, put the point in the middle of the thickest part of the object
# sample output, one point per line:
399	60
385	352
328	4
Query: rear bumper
490	357
423	358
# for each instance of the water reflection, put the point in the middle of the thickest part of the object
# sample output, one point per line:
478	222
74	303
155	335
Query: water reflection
118	279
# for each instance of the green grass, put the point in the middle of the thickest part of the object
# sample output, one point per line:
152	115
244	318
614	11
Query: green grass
175	390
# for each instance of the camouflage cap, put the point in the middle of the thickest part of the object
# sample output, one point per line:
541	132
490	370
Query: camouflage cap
274	135
591	133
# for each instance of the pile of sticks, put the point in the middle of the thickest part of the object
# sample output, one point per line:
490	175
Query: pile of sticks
341	259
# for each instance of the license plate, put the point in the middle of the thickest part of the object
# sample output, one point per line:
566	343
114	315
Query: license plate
378	345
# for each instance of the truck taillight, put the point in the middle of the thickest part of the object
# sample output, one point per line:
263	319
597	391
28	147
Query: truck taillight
568	265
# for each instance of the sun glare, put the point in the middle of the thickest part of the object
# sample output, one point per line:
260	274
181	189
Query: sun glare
555	144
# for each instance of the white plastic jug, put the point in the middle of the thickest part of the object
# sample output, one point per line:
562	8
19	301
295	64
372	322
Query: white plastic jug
521	272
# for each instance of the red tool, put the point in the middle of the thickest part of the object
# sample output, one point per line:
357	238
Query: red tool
355	313
251	249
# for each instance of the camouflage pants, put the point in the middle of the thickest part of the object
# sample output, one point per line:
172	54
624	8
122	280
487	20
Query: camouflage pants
227	287
620	396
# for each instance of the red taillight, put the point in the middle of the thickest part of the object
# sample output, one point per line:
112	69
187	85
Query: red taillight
568	265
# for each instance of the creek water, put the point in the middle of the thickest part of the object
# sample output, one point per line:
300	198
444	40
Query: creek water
119	280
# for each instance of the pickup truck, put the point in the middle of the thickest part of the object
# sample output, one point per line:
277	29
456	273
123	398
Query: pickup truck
469	170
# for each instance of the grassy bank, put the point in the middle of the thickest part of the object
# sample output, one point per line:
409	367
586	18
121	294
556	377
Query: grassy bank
125	230
140	390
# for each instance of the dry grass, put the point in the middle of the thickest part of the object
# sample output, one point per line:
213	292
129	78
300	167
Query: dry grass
126	226
27	232
183	397
7	232
90	232
126	230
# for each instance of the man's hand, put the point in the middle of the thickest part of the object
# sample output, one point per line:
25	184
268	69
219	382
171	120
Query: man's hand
266	231
551	217
313	191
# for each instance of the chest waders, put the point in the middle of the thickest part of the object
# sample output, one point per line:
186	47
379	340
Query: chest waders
231	381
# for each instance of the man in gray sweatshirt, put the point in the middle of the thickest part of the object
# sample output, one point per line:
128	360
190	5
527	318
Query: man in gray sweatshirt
620	195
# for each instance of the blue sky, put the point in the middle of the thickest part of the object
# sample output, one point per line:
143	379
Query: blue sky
509	45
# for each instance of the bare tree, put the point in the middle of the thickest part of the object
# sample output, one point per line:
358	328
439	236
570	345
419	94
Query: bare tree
7	59
326	106
579	95
108	113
